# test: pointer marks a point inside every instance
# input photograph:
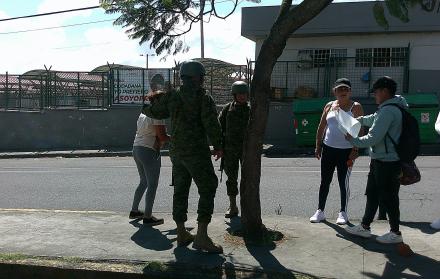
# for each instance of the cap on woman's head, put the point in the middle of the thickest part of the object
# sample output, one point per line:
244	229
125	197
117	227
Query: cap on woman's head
342	82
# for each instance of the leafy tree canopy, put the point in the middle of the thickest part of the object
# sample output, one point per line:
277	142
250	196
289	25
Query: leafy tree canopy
399	9
163	22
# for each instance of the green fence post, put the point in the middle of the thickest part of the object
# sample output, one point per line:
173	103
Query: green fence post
143	86
406	75
19	93
117	84
287	78
55	99
7	92
102	90
110	87
78	93
41	92
371	73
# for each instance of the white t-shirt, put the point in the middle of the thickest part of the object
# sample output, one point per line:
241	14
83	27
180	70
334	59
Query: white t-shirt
333	136
146	133
437	123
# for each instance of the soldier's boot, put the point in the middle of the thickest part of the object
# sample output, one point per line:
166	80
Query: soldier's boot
233	209
184	237
203	242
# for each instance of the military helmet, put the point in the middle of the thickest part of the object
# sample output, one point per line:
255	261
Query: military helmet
191	68
239	87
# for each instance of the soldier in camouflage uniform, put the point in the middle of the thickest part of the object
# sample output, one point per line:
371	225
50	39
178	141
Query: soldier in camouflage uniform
193	118
234	120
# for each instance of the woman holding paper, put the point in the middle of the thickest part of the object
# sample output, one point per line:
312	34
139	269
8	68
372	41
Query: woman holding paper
334	150
436	223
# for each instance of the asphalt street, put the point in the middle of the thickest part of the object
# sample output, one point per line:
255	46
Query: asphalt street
289	186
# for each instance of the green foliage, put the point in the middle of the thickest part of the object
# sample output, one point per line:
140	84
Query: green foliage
161	23
399	9
379	14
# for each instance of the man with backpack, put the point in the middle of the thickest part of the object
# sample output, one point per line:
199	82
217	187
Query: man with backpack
383	179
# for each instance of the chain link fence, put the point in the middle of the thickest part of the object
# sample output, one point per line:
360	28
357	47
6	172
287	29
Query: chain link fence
52	90
39	90
309	79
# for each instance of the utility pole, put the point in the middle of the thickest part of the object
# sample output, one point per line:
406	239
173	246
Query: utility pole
202	37
146	58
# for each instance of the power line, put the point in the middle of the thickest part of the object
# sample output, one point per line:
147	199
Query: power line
55	27
51	13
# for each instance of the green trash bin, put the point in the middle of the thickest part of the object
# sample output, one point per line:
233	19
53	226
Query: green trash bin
307	114
424	107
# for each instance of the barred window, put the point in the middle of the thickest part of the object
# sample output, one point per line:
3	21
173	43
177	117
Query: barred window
381	57
324	57
363	57
399	56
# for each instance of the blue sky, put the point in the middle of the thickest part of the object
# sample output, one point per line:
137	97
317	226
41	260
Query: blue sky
82	48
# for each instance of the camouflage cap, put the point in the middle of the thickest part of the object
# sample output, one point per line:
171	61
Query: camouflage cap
191	68
239	87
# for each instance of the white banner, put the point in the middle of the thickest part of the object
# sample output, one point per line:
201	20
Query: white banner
128	87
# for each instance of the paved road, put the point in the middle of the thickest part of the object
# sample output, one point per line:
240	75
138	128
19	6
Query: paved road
108	184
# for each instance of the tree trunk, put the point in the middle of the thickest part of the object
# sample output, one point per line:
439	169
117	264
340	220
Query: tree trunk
289	19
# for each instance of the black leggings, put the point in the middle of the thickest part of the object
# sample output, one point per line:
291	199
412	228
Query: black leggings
383	188
332	158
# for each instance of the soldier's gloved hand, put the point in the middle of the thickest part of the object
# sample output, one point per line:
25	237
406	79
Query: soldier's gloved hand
217	154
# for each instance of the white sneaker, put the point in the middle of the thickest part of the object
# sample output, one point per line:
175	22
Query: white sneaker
342	218
318	216
358	230
389	238
436	224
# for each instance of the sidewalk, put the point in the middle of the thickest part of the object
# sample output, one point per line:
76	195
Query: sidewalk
318	250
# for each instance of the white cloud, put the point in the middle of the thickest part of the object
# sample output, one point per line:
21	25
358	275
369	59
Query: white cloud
98	45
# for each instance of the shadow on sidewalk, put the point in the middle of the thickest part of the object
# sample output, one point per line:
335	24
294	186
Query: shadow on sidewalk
396	265
270	265
150	238
424	227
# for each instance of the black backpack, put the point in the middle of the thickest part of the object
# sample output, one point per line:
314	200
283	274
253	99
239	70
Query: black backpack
408	147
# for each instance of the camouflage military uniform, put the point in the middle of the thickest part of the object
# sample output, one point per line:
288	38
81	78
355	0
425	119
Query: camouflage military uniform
234	120
193	118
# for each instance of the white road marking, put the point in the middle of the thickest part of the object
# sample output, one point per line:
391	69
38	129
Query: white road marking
53	210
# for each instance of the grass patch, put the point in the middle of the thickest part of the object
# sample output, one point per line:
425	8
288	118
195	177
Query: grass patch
156	266
13	257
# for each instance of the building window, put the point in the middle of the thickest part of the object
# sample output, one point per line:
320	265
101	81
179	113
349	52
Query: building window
399	56
363	57
323	57
381	57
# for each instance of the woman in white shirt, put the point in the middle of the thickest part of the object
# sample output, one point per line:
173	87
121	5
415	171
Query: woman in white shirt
150	137
334	150
436	223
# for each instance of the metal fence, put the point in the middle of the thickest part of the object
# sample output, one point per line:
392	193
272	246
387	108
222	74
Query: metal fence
130	86
53	89
219	78
309	79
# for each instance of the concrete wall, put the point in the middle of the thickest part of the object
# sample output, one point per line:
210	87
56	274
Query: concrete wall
68	129
102	129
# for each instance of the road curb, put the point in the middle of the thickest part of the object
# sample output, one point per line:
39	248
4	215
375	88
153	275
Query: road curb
135	270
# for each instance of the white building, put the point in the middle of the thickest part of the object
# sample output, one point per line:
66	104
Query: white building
345	40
